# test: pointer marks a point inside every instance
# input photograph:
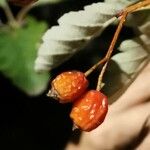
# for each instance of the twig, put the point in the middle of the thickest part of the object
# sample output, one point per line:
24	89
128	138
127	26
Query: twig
9	14
110	50
23	12
123	16
143	8
136	6
89	71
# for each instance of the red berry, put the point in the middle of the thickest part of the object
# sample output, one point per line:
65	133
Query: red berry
68	86
89	111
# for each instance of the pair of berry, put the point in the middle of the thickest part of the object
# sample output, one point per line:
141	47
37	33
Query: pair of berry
89	107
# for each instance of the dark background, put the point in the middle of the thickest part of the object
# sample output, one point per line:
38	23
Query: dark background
39	123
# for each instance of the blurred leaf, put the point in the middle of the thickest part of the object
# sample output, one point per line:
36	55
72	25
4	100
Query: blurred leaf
42	2
17	54
2	2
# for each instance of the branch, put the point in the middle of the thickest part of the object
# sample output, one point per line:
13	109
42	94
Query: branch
24	11
123	16
9	14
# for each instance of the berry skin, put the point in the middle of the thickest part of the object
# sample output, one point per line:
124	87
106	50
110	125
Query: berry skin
89	111
68	86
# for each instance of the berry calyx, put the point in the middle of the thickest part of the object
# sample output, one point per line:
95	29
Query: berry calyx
89	111
68	86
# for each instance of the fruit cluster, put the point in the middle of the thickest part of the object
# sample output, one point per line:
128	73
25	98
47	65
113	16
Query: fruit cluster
89	107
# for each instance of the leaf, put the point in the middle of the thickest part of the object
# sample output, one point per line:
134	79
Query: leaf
2	2
131	56
123	2
17	54
125	65
74	31
117	81
136	18
114	80
77	28
145	28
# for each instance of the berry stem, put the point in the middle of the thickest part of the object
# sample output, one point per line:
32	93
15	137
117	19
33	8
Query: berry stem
10	17
89	71
122	13
134	7
137	6
24	11
110	50
123	16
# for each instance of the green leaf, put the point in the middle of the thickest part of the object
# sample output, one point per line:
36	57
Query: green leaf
18	50
2	2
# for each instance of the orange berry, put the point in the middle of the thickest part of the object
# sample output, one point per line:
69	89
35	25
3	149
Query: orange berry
89	111
68	86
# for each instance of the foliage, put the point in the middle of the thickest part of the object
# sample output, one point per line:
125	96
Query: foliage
18	51
2	2
75	29
19	42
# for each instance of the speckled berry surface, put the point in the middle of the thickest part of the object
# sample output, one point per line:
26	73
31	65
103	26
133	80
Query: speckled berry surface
90	110
68	86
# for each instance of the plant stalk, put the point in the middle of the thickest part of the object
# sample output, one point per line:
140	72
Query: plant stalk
136	6
21	15
110	50
10	17
122	16
126	11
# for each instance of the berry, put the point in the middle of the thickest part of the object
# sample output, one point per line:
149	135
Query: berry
89	111
68	86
